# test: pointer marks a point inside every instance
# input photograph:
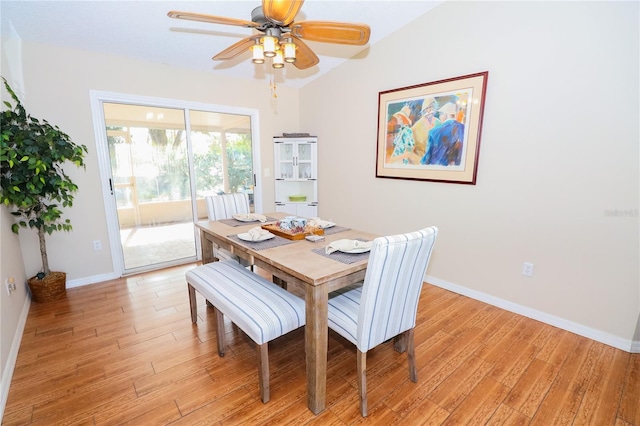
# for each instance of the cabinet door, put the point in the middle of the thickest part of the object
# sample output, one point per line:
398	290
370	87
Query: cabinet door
307	210
287	208
306	160
285	160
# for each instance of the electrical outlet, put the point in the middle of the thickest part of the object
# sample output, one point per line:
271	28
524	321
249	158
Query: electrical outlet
11	285
97	245
527	269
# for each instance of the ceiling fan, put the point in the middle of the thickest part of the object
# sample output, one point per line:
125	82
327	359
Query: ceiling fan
279	36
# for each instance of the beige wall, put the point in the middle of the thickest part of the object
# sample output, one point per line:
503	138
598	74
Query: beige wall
14	307
559	151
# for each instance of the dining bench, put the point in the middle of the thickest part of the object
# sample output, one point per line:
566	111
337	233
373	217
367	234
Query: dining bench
263	310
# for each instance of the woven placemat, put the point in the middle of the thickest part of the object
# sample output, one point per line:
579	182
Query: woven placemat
262	245
335	229
235	222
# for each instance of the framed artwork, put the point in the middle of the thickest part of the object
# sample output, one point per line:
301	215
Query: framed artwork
431	131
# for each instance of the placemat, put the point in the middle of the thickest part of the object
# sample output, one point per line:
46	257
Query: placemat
335	229
262	245
347	258
235	222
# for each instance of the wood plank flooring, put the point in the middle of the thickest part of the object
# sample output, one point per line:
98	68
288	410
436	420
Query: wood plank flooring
125	352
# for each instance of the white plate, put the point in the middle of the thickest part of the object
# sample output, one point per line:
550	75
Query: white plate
245	217
356	250
328	225
247	237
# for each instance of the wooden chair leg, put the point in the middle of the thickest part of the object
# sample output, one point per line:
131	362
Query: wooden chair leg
219	331
263	371
193	303
400	343
411	355
362	381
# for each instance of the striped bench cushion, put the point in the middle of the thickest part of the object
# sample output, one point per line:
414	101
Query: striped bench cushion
344	311
260	308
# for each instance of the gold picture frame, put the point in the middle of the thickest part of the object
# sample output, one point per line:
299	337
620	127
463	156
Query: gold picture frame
432	131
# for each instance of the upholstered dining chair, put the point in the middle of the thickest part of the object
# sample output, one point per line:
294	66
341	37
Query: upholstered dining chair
386	304
224	206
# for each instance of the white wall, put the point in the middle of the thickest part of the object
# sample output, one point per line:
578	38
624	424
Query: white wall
559	151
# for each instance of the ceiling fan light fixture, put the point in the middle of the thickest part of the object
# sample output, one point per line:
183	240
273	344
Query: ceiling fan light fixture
258	53
289	50
269	44
278	60
279	33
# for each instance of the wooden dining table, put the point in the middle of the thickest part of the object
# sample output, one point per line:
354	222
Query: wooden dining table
296	263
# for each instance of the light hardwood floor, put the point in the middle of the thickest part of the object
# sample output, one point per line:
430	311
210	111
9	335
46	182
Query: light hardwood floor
125	352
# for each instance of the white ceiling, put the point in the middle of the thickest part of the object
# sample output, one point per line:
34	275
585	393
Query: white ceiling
141	29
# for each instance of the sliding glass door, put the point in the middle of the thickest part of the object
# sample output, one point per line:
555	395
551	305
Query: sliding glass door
150	178
222	160
162	162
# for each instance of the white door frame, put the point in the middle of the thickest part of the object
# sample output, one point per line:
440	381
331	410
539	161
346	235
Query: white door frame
104	162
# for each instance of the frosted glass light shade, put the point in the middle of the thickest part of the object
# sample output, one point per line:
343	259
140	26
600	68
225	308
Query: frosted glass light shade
269	44
289	51
258	53
278	60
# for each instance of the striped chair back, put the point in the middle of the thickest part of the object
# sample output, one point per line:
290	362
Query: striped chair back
226	205
392	285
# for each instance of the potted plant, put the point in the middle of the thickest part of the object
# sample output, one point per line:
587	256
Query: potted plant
33	184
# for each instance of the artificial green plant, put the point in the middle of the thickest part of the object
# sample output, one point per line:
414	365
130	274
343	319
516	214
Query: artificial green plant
33	183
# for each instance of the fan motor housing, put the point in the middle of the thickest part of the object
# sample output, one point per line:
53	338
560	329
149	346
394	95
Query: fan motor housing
257	16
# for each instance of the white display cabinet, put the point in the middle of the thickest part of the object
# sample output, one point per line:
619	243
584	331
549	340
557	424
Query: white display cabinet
296	175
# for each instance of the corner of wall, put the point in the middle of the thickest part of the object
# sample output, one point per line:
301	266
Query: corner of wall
635	344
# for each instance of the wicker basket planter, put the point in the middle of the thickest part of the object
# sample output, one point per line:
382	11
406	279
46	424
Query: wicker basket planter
51	287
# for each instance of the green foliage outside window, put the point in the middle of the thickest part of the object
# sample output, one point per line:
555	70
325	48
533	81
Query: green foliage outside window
160	164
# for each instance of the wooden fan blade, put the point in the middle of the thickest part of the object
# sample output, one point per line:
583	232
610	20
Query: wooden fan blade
305	58
332	32
281	12
211	19
235	49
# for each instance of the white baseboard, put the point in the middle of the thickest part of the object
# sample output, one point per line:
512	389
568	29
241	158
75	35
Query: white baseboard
92	280
10	365
579	329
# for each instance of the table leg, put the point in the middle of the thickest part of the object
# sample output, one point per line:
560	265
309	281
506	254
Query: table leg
316	340
206	245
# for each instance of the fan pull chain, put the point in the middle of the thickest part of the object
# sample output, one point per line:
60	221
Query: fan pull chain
272	85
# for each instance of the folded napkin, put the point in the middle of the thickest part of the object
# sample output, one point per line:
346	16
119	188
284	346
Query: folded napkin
347	245
255	216
257	233
260	217
316	222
